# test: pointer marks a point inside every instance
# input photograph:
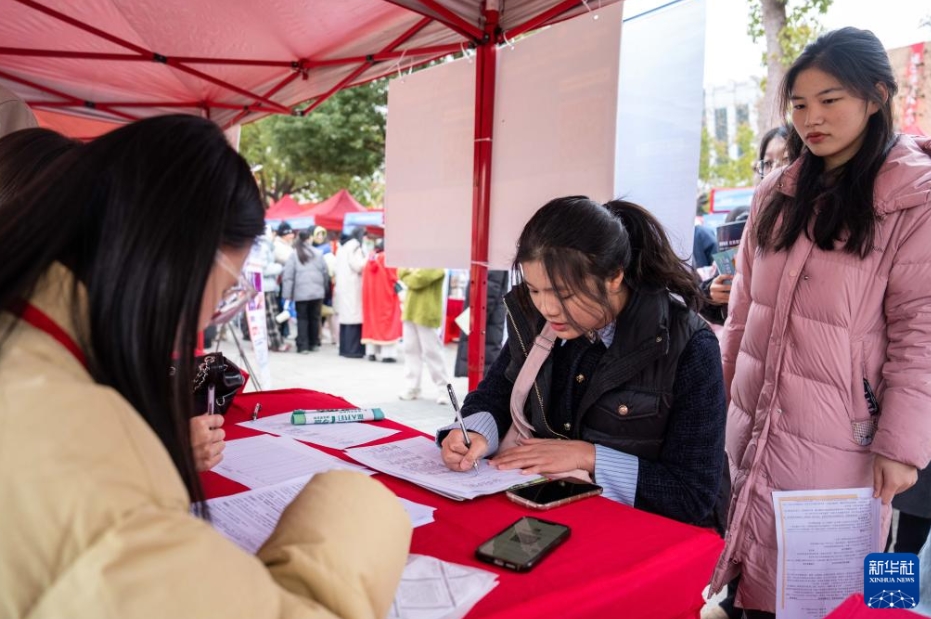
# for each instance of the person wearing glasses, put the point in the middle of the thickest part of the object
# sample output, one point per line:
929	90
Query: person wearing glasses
772	151
111	260
827	345
717	289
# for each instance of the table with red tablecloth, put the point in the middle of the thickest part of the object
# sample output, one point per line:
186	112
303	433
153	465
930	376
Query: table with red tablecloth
617	562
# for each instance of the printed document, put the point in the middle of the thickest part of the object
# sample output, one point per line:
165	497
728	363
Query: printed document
418	461
823	537
434	589
247	519
333	435
264	460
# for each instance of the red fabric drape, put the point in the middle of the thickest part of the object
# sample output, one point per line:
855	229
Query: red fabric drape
381	310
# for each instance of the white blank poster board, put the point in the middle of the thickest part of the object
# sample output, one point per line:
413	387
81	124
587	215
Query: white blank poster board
555	115
428	167
660	115
559	121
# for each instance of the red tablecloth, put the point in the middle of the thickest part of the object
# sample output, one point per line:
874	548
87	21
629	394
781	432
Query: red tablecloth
854	608
618	561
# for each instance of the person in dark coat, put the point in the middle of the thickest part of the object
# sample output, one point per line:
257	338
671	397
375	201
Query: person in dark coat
914	507
611	377
498	283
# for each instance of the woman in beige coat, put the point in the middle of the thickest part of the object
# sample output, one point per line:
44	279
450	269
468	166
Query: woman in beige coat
110	262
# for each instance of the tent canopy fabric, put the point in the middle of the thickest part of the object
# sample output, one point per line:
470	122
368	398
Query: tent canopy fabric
330	212
288	207
233	60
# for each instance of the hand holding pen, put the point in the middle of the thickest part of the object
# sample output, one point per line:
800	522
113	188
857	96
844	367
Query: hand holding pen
467	441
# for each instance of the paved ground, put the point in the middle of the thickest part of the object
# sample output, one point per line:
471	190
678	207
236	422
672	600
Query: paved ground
366	384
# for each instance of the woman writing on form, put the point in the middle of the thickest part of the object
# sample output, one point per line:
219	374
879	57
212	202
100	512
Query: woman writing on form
631	393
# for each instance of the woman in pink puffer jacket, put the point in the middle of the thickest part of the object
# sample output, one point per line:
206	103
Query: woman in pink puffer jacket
831	301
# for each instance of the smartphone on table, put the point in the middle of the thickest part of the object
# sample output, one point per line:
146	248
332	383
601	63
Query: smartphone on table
523	544
552	493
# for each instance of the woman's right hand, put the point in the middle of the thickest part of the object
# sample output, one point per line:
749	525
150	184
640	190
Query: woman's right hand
207	441
457	456
720	290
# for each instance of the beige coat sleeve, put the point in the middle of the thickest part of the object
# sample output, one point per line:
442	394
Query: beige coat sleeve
338	552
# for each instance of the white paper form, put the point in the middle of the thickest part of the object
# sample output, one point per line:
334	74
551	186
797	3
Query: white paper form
333	435
434	589
418	461
265	460
247	519
822	537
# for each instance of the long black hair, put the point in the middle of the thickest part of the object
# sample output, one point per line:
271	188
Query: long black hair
829	206
138	215
25	154
581	243
300	246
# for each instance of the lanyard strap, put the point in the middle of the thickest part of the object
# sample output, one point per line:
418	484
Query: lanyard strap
41	321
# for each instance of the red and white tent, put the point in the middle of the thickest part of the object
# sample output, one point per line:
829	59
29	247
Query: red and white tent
234	60
330	212
288	207
237	60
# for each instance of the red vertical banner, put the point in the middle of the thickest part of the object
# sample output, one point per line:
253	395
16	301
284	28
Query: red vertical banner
912	87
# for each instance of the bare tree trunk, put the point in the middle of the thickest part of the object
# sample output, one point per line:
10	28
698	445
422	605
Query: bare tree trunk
774	21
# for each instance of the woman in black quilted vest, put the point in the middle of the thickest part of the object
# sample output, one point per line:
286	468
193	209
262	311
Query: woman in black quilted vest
628	389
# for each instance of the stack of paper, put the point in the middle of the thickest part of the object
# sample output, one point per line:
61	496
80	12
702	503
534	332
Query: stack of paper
265	460
418	461
247	519
334	435
434	589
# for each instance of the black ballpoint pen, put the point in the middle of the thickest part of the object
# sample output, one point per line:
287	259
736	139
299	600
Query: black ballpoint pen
460	421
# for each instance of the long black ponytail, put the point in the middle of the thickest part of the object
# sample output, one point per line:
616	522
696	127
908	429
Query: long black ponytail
583	244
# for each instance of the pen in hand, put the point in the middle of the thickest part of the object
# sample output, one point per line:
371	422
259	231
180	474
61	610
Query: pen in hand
211	399
460	421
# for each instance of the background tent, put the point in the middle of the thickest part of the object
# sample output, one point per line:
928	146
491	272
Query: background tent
331	211
288	209
373	220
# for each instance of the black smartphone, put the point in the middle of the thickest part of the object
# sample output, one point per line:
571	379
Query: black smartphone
553	493
523	544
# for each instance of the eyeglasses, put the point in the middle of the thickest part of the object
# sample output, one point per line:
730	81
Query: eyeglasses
765	166
234	298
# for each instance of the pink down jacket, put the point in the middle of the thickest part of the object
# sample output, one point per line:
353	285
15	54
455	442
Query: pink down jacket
805	327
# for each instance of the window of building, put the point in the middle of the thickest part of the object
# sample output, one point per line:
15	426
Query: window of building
720	124
743	114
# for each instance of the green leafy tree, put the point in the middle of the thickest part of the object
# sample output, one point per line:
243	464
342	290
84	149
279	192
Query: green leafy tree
339	145
786	30
722	170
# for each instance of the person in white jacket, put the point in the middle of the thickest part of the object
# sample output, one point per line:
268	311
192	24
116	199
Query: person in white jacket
347	295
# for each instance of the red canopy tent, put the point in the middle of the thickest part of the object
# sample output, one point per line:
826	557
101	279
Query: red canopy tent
288	207
236	60
330	212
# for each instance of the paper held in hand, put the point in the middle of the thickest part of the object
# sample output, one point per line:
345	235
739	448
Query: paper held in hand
418	461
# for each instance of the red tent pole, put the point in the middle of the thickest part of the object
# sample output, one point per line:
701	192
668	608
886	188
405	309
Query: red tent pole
485	69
